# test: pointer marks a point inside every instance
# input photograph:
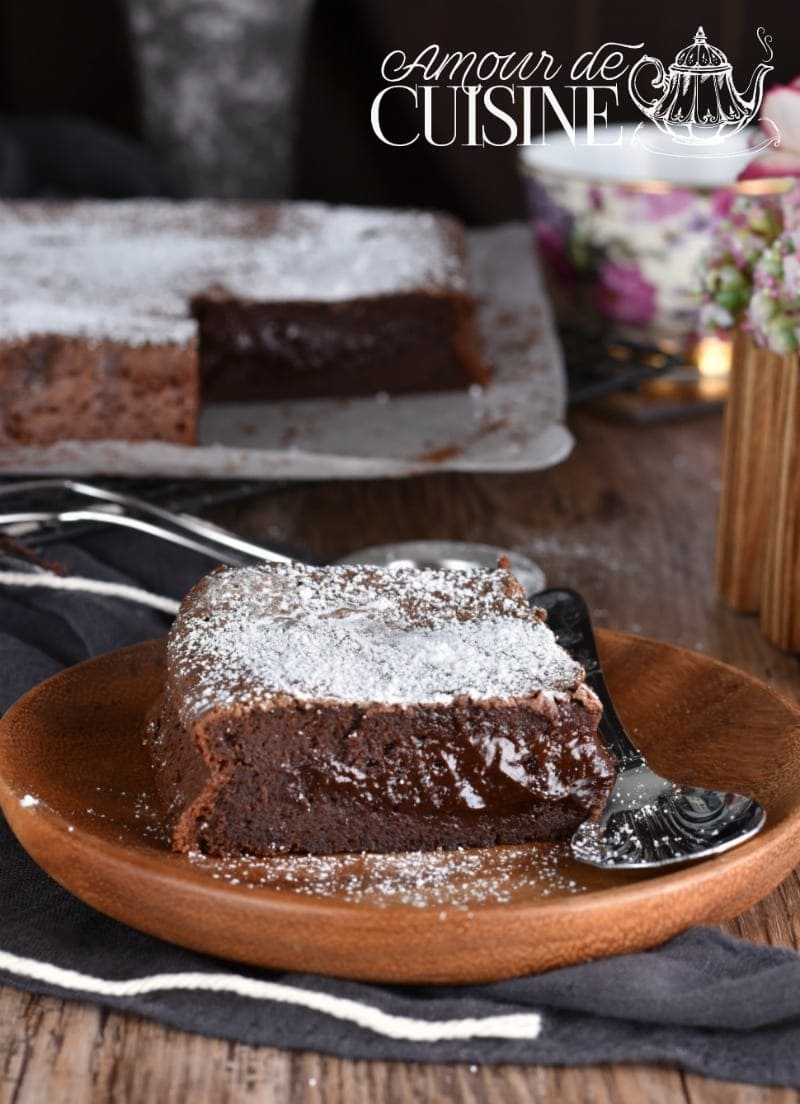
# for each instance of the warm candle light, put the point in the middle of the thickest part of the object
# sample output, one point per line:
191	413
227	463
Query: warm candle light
701	381
712	355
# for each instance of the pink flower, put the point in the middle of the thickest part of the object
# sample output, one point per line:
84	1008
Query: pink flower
624	295
781	108
554	251
790	209
775	163
721	203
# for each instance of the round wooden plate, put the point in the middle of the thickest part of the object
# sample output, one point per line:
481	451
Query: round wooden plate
74	785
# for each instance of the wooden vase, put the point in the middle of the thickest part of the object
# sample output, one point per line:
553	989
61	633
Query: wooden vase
780	593
758	536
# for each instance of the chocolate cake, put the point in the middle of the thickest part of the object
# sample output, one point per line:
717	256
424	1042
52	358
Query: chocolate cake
60	388
325	710
89	348
110	312
339	301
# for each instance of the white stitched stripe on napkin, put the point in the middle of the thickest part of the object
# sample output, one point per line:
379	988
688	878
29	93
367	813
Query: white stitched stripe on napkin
522	1025
90	586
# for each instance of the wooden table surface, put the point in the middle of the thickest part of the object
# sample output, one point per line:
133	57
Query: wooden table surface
629	520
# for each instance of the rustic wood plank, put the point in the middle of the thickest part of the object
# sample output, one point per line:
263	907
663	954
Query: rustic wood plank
699	1090
630	520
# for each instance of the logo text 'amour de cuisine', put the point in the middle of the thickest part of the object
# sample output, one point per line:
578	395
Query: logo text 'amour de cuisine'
498	99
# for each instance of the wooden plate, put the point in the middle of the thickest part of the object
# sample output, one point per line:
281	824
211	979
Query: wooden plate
74	782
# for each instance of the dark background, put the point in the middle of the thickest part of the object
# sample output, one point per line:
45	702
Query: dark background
73	58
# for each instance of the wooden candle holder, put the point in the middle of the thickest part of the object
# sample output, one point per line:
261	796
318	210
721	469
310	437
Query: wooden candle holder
758	536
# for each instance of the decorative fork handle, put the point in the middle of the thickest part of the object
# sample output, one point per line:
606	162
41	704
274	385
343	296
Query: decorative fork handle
568	617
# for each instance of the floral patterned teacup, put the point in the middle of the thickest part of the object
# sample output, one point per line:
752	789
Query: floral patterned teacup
621	228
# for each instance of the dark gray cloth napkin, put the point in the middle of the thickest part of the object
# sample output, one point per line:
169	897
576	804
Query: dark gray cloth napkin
704	1001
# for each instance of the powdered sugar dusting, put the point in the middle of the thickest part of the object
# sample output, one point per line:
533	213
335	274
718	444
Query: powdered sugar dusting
443	880
127	271
361	635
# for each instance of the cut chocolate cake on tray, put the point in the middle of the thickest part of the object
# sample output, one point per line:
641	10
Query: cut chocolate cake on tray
324	710
338	301
110	312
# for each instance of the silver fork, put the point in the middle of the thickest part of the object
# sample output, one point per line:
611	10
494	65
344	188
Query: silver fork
648	821
116	508
188	531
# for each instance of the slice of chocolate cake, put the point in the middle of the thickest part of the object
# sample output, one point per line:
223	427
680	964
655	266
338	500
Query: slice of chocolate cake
338	301
337	709
102	305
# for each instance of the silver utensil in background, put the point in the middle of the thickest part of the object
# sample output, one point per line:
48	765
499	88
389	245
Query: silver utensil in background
114	507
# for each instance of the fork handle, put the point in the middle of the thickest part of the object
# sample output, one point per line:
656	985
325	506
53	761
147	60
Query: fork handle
568	617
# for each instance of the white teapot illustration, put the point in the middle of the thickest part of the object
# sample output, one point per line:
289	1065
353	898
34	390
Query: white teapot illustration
699	103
